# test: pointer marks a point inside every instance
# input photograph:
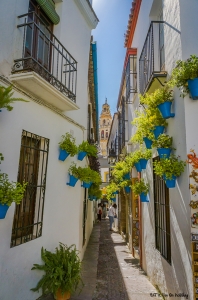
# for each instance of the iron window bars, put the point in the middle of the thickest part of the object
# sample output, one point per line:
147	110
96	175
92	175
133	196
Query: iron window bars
131	77
151	62
162	217
28	217
43	53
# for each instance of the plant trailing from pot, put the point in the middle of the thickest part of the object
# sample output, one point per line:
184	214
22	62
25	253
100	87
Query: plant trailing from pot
87	149
140	158
95	191
141	188
120	169
164	145
125	185
185	76
169	169
89	176
67	145
62	271
10	192
112	189
6	98
74	174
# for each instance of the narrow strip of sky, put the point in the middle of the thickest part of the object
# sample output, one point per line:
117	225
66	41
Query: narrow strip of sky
109	35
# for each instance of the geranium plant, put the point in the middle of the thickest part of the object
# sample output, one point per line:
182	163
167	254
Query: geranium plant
140	187
169	167
163	141
91	150
68	144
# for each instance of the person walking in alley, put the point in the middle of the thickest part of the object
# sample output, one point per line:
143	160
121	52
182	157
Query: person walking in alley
99	212
111	215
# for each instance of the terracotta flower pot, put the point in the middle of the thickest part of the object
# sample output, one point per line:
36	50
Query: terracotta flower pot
65	296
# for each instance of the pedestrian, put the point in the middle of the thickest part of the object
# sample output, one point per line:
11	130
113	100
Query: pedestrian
99	212
115	217
111	216
104	211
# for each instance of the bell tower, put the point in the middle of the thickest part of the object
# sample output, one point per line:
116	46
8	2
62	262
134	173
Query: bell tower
104	127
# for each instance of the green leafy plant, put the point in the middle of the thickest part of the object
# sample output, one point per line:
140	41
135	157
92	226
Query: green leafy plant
6	98
169	167
141	153
159	96
124	183
86	147
75	171
68	143
184	71
94	190
62	270
120	169
111	188
140	187
163	141
11	191
89	175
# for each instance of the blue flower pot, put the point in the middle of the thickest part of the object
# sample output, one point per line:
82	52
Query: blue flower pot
3	210
115	193
143	198
170	183
193	87
81	155
127	189
126	176
164	152
165	109
63	155
138	167
72	180
113	199
86	185
143	163
158	130
148	143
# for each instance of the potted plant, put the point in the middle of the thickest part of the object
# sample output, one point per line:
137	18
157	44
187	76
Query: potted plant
86	149
74	174
126	185
140	158
89	176
10	192
62	272
163	145
67	146
141	188
157	122
185	75
169	169
120	169
162	99
6	98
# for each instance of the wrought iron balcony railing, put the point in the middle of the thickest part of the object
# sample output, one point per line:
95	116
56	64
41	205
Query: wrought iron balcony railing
44	54
152	58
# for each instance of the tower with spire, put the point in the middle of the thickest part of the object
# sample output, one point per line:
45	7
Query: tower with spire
105	121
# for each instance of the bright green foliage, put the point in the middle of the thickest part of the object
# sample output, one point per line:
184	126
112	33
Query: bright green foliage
163	141
11	191
169	167
86	147
111	188
6	98
94	190
124	183
68	143
140	187
141	153
184	71
75	171
120	169
62	270
157	97
85	174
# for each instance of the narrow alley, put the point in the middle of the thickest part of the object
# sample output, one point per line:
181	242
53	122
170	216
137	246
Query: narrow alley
109	270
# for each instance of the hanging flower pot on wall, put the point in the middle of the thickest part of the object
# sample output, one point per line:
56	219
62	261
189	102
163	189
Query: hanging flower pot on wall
143	197
170	183
158	130
127	189
138	167
148	143
81	155
165	109
143	163
86	185
113	199
164	152
3	210
126	176
116	193
72	180
193	87
63	155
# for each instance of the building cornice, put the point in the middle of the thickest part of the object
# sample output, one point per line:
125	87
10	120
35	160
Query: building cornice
87	12
133	17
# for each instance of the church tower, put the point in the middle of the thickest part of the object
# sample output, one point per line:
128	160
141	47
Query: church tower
105	125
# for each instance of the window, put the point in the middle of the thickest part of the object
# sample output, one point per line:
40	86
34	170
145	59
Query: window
28	217
107	134
162	217
104	122
102	134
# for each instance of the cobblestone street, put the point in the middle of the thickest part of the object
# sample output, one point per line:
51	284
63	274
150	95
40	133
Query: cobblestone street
109	270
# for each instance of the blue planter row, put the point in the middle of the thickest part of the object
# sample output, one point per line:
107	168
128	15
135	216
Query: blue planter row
3	210
63	154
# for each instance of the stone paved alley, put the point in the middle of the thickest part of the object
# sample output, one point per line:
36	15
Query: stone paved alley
109	270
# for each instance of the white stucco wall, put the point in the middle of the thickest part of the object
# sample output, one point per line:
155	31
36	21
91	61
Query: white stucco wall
63	208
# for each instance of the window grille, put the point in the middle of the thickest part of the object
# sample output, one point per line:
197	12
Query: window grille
162	217
28	217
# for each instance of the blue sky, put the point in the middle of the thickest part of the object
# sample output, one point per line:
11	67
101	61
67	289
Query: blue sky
109	35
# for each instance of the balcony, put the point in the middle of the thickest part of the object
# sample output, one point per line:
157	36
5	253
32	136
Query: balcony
46	69
152	72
